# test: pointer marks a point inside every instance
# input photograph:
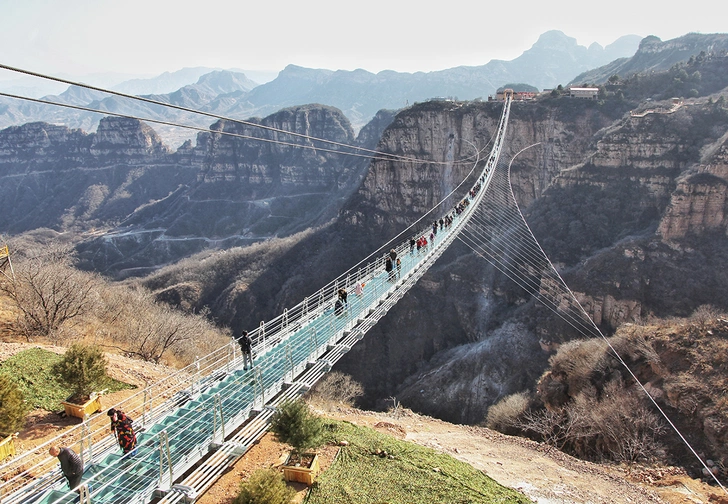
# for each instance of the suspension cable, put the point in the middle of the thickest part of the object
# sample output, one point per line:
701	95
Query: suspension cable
579	316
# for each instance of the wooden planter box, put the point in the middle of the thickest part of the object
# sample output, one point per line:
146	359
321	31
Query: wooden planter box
7	447
302	474
81	410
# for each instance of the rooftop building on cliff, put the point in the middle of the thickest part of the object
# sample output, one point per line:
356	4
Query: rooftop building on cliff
589	93
517	95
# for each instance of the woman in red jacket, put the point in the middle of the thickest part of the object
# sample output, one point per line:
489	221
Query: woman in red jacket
121	426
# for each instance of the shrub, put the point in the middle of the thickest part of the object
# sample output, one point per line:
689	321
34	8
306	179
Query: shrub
265	486
619	425
337	387
504	415
293	423
556	427
82	369
703	314
12	406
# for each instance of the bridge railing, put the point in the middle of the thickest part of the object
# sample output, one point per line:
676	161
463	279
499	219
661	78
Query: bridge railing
145	406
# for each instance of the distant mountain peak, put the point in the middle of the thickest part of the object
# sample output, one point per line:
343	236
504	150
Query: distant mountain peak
554	39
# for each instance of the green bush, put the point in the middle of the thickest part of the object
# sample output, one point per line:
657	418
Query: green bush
82	369
293	423
12	406
265	486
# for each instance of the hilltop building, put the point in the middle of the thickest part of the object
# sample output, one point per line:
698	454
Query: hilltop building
517	95
588	93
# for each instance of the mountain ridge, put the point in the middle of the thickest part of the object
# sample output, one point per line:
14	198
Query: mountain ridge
654	55
553	59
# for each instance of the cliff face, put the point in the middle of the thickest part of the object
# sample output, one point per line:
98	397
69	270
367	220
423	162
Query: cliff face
144	205
437	348
699	204
126	139
627	207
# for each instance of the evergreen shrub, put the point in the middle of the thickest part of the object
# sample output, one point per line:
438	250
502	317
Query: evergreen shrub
12	406
293	423
82	369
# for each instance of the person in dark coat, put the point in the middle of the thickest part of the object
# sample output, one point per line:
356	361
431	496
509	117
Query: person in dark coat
389	268
246	347
121	427
71	465
343	295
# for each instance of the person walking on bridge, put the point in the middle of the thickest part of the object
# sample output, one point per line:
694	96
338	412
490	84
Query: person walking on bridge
71	465
343	295
246	347
122	429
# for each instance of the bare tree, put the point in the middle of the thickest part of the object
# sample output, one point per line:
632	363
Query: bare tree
48	291
337	387
703	314
147	329
556	427
622	427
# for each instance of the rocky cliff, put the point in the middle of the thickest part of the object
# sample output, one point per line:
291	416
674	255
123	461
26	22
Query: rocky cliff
631	209
140	205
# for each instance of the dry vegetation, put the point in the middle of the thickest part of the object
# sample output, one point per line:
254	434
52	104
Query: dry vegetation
48	300
588	404
212	278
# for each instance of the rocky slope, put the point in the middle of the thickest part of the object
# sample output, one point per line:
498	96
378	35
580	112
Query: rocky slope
149	205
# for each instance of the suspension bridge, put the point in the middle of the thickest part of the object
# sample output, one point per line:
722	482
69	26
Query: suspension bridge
196	423
199	421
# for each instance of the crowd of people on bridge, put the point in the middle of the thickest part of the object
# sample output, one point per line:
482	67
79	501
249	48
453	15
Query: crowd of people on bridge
418	244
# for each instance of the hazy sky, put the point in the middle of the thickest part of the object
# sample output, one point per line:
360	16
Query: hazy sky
148	37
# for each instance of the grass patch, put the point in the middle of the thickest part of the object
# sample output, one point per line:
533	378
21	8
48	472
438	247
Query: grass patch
407	473
31	370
